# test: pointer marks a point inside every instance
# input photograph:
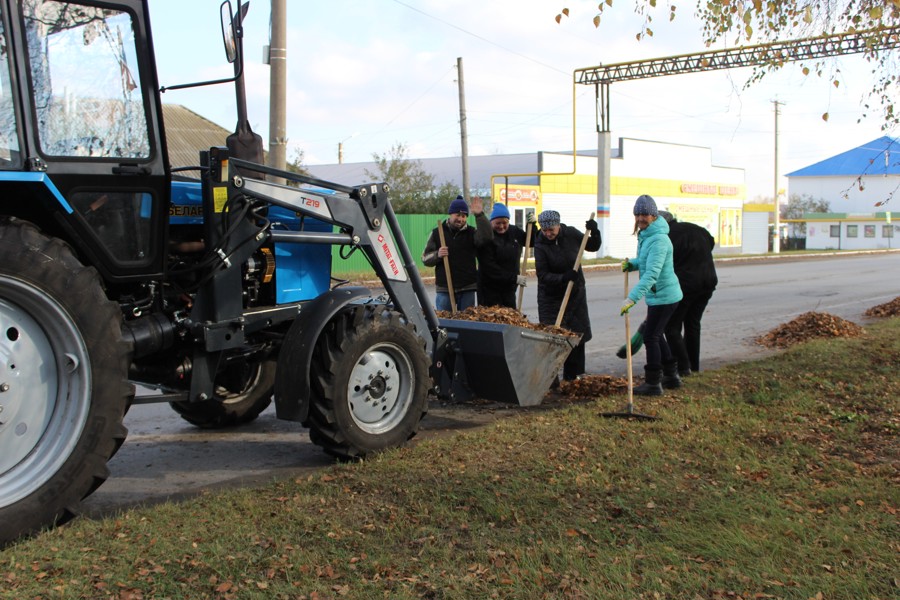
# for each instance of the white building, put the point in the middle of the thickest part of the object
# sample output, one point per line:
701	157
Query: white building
682	179
861	187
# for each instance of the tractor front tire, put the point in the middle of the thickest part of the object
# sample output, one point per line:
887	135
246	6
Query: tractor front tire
370	383
63	381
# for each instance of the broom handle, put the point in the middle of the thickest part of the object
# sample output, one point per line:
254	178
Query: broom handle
528	228
440	228
628	353
584	241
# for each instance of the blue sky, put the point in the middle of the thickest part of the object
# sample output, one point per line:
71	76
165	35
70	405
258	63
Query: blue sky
373	73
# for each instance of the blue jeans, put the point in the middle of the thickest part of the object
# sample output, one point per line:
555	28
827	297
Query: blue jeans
657	347
463	300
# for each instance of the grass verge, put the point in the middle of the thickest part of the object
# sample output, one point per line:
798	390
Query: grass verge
771	479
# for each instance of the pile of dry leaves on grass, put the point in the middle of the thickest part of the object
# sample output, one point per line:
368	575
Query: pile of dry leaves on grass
593	386
808	326
501	315
888	309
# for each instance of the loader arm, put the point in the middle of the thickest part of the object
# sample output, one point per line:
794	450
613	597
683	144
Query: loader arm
365	219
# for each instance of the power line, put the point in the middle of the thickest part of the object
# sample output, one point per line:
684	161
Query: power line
483	39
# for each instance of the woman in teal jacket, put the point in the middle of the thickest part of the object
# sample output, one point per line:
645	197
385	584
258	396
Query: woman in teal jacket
659	288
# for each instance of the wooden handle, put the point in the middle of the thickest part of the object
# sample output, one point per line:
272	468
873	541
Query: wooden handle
524	271
584	241
628	352
440	228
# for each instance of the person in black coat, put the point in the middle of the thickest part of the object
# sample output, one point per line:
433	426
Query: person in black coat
460	253
499	246
555	252
696	271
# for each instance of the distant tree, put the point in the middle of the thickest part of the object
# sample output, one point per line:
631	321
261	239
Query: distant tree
441	198
411	186
798	205
295	165
761	21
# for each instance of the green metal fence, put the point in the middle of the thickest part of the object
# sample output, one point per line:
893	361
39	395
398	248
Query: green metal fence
416	229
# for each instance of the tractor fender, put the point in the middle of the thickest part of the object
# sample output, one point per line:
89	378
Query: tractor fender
292	378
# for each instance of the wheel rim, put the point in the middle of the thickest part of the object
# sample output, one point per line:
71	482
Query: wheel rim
380	387
227	396
45	384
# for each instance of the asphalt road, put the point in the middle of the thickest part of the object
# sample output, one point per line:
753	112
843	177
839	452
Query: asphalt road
165	458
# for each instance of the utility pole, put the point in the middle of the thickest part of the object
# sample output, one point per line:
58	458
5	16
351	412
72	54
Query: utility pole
278	86
462	129
776	241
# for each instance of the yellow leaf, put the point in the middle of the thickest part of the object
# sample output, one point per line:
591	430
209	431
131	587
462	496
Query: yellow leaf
565	11
558	18
597	21
806	70
825	117
875	12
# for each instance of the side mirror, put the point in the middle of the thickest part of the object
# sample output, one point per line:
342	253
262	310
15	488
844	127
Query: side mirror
229	37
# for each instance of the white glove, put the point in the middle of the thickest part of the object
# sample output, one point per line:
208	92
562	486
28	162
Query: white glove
520	280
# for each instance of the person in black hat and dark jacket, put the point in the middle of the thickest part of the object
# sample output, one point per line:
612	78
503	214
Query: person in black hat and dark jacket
460	253
499	247
696	271
555	252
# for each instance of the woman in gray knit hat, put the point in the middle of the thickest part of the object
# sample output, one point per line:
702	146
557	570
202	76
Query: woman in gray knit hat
659	288
555	252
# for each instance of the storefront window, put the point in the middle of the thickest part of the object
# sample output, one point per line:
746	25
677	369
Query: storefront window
869	231
852	231
887	231
835	231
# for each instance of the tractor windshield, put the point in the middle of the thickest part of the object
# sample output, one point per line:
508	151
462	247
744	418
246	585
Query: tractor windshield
84	74
9	138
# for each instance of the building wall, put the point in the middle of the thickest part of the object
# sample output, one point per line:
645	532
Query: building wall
682	180
869	234
843	193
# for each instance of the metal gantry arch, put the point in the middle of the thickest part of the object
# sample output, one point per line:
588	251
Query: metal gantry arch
602	76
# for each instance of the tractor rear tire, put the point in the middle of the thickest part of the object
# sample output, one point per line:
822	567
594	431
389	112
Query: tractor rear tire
370	383
63	381
232	407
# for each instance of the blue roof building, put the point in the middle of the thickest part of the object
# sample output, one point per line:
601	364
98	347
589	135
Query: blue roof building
862	187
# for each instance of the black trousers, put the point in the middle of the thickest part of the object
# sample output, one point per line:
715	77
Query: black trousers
574	365
686	347
655	343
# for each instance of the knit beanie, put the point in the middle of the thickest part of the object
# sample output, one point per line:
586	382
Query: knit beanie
548	218
458	206
645	205
500	211
669	217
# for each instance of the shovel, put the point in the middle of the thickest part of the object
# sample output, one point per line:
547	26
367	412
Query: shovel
628	411
440	229
584	241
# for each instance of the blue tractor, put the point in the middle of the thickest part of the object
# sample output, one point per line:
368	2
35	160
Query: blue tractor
213	292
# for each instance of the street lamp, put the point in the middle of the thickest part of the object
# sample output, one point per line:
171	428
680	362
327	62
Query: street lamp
341	148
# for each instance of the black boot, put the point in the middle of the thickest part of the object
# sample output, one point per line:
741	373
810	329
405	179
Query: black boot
670	379
651	386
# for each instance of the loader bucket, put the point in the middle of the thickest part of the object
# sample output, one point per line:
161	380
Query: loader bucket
503	363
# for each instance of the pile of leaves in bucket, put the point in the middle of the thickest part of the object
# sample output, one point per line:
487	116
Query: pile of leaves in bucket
501	315
888	309
808	326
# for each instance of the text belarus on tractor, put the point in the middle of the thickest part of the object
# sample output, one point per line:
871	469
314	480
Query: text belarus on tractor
211	287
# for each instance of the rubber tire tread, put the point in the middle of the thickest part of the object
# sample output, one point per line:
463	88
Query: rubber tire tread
214	414
344	339
50	264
